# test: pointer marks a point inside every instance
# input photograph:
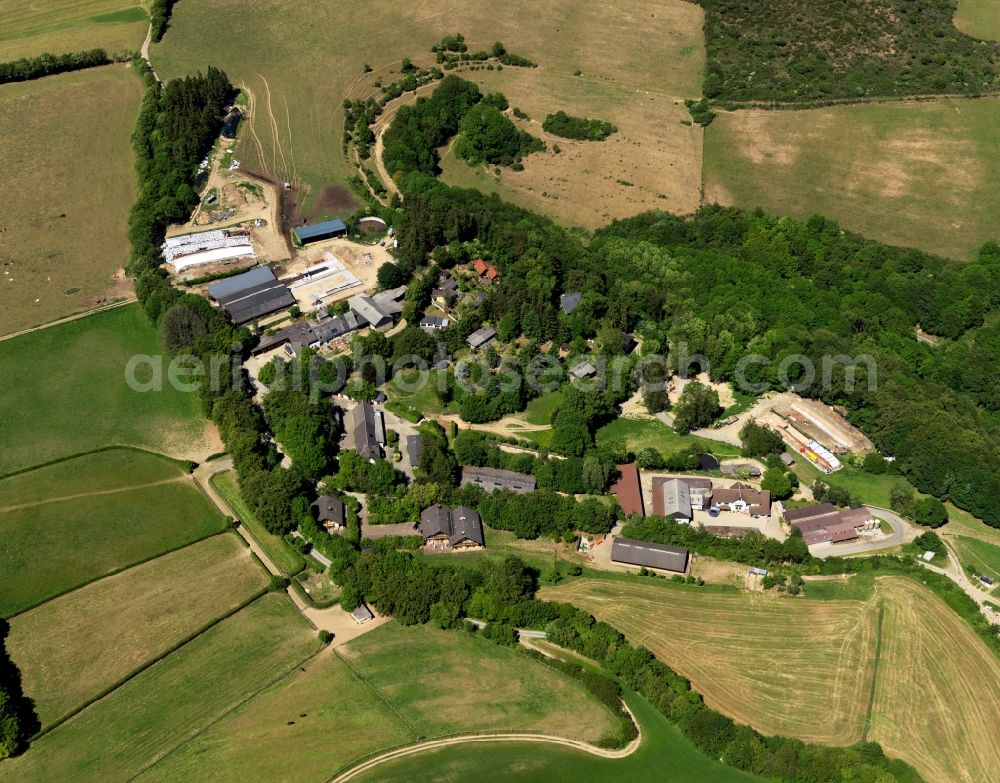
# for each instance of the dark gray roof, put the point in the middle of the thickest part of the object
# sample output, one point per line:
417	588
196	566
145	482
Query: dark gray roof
330	509
433	322
261	303
237	283
480	337
362	614
645	553
570	301
628	343
367	429
495	478
459	524
414	446
320	230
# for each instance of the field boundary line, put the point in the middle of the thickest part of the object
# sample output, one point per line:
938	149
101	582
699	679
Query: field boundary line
152	662
67	319
378	693
114	572
228	711
182	464
94	494
878	655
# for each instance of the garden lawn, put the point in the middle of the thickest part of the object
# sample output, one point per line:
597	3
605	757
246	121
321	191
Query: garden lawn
65	393
55	545
74	647
172	701
665	756
455	678
279	550
425	399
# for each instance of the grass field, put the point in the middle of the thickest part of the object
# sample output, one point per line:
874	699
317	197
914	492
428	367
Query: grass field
642	433
664	756
174	700
459	679
979	18
66	537
303	728
925	175
59	26
804	667
70	394
296	133
72	648
425	399
66	190
540	409
984	557
279	550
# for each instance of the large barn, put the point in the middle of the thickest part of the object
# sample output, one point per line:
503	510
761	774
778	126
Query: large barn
319	231
644	553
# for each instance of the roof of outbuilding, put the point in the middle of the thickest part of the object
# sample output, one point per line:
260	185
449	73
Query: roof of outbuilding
570	301
242	282
645	553
320	229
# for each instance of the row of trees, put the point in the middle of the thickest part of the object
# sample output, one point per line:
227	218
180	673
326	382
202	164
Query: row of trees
48	64
159	17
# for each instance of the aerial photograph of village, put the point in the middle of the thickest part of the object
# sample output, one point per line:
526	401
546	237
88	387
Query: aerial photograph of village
472	392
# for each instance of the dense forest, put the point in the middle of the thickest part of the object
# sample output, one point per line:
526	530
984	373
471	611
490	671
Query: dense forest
826	49
48	64
729	282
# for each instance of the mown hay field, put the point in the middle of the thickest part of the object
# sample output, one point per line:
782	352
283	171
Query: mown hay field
65	392
66	190
982	556
74	531
127	731
72	648
31	27
447	696
924	175
798	668
804	668
300	61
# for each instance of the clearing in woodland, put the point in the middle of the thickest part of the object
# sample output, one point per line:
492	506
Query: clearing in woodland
633	58
925	175
32	28
66	190
72	648
66	393
979	18
79	520
804	668
127	731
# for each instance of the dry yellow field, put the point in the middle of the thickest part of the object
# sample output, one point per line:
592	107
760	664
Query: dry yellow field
804	667
299	60
30	27
937	696
75	646
66	189
798	668
652	162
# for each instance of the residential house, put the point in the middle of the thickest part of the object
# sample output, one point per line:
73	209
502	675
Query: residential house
680	496
448	529
485	271
582	370
743	499
366	431
330	512
825	523
433	323
481	337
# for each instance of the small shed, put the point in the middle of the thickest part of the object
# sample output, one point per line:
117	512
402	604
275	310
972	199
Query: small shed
362	614
481	337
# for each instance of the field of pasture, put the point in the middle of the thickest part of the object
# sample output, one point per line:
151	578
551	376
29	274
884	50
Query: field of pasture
31	28
79	520
922	174
174	700
67	187
65	392
73	648
300	61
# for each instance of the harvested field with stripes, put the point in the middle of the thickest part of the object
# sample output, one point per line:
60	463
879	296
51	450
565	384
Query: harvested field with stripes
804	668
